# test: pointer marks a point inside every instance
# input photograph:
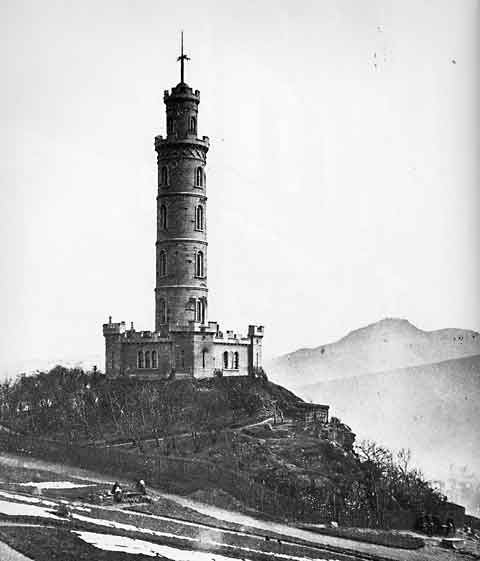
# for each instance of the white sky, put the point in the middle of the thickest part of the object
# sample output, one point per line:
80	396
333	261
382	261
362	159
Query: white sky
339	193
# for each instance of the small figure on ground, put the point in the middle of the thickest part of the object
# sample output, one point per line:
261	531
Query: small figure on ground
140	485
117	492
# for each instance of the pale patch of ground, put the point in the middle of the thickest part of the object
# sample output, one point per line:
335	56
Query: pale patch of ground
55	485
9	554
25	499
22	509
130	545
111	542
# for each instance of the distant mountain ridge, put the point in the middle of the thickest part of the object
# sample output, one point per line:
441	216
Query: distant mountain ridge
388	344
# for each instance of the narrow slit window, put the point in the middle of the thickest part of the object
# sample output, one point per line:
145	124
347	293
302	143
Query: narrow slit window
199	177
163	217
164	175
199	218
163	263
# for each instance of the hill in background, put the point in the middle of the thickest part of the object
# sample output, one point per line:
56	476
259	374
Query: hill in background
383	346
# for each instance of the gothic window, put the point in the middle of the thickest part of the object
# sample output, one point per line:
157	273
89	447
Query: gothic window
204	358
163	263
199	264
193	124
164	175
162	311
199	218
147	359
169	125
140	359
163	217
225	359
154	359
235	360
199	177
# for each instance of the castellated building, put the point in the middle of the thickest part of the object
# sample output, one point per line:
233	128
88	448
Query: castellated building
184	343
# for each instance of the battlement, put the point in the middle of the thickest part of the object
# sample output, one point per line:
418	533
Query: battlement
181	92
111	328
256	330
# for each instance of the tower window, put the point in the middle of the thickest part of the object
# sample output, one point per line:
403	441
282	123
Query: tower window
204	358
169	125
162	310
199	177
164	175
154	359
140	359
163	217
200	311
193	124
199	264
162	265
147	359
225	359
199	218
235	360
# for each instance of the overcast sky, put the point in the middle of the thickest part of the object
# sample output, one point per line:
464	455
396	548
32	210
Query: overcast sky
342	176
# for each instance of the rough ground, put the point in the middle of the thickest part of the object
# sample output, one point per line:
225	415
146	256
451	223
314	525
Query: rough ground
247	527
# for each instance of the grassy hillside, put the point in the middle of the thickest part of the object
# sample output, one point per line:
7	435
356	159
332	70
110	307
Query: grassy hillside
191	435
386	345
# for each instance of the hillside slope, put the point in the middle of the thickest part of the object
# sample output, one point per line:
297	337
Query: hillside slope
383	346
432	409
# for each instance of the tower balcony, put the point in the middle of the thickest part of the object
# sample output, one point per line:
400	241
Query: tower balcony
173	138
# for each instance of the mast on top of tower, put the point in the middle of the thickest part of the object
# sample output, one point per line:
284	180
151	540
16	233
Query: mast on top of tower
182	58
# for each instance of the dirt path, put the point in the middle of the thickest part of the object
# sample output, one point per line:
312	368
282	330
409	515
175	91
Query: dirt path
426	554
178	436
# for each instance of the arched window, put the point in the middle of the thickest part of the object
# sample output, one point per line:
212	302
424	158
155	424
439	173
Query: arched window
154	359
147	359
199	218
163	217
204	357
162	310
199	177
199	264
235	360
225	359
162	265
193	124
140	359
169	125
164	175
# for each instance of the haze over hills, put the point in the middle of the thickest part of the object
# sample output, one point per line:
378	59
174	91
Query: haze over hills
386	345
405	388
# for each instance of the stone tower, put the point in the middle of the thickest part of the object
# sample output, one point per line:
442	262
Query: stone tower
181	248
184	343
